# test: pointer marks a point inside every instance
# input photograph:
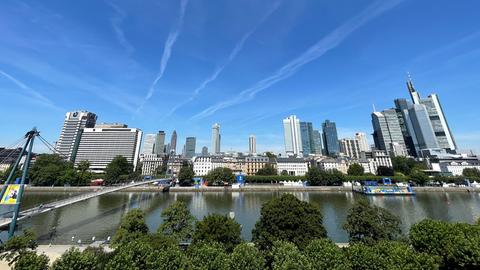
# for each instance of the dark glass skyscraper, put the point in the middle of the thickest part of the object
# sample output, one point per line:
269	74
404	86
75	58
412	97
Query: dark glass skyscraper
330	138
306	134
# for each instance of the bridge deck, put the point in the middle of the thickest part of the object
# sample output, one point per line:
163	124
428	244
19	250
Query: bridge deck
61	203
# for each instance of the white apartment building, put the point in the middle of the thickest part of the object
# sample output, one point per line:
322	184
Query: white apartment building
328	164
454	164
101	144
350	147
202	165
293	140
150	163
293	166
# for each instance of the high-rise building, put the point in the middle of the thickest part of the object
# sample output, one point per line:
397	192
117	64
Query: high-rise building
101	144
252	145
350	147
173	142
387	133
317	141
362	142
437	117
307	137
72	128
190	144
216	137
204	151
402	106
149	144
160	143
422	126
293	142
330	138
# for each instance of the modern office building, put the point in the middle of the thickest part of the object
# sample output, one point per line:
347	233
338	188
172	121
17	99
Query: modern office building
101	144
216	138
437	117
252	145
160	143
422	127
317	141
330	138
190	145
387	133
173	143
362	142
204	151
408	132
350	147
71	132
149	144
292	166
293	142
307	137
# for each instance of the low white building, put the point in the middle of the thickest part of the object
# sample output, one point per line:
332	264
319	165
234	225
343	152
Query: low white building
150	163
454	164
329	164
202	165
293	166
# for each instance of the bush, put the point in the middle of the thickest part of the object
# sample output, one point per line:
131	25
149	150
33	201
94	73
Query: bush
218	228
368	224
31	261
286	218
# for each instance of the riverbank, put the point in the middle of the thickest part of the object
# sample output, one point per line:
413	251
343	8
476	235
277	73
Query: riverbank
247	188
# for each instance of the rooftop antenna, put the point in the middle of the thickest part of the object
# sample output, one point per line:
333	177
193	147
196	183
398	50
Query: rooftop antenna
374	109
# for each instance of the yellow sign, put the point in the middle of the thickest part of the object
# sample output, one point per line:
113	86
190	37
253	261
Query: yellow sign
11	194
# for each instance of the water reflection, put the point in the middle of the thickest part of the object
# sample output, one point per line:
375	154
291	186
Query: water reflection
100	216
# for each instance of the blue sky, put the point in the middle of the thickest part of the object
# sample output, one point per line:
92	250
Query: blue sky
186	64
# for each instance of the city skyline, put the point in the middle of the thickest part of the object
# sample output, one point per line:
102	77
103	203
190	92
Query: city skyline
116	65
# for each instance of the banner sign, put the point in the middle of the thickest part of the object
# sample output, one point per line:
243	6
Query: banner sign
11	194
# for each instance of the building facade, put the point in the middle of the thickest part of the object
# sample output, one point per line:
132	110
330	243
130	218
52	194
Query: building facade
387	133
293	166
362	142
307	138
101	144
350	147
252	145
293	142
173	143
317	141
190	147
160	143
216	139
330	138
149	144
150	163
255	163
71	132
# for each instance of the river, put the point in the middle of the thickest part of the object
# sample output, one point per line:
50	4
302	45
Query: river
101	216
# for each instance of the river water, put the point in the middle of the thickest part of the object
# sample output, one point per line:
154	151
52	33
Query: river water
101	216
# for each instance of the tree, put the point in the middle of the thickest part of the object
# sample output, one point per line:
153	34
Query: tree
218	228
185	175
368	224
471	172
132	227
18	245
286	218
270	155
385	171
219	176
74	259
132	255
267	170
355	169
457	244
325	254
317	177
207	256
419	177
178	222
50	169
84	174
287	256
117	169
246	257
284	172
161	170
31	261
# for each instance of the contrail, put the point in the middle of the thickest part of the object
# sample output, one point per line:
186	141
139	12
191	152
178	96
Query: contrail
233	54
116	21
34	94
332	40
167	51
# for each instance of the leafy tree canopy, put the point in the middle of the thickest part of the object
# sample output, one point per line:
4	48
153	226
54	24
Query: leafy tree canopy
185	175
207	256
218	228
246	257
18	245
30	260
219	176
74	259
471	172
267	170
132	227
385	171
117	168
325	254
287	256
368	224
51	169
178	222
318	177
286	218
355	169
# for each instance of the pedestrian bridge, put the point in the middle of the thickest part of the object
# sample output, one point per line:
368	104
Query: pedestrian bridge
4	222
